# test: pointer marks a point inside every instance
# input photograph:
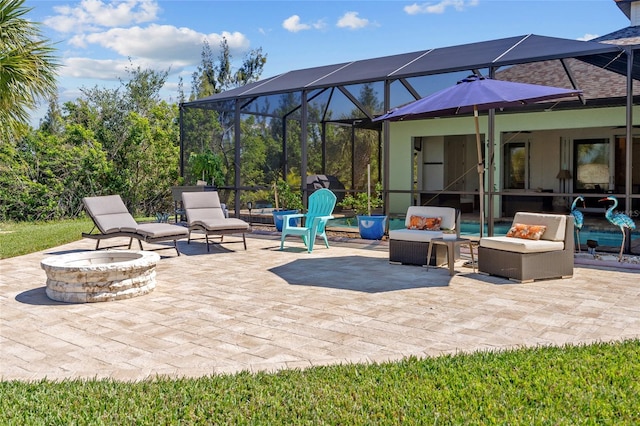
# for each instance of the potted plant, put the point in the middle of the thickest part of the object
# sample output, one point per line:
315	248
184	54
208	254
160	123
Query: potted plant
206	166
371	226
287	201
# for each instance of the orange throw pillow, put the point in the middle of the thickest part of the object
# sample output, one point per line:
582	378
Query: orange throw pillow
425	223
416	222
526	232
433	223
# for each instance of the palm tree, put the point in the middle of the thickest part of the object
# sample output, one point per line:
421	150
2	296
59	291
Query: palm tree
27	68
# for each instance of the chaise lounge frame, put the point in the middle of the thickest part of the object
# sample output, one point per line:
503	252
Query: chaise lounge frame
112	219
205	214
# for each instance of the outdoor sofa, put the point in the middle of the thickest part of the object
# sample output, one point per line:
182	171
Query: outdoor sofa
520	258
409	246
112	219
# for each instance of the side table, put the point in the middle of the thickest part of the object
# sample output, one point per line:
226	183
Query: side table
450	244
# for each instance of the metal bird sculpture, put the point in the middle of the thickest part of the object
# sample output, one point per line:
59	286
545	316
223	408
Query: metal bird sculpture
618	219
578	218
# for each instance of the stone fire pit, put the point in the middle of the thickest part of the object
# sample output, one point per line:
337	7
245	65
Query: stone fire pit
100	276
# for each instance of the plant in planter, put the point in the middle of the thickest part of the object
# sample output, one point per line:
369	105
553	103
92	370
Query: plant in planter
287	201
206	166
371	227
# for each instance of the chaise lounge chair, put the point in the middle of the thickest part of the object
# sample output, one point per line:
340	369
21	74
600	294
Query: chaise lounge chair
111	217
205	214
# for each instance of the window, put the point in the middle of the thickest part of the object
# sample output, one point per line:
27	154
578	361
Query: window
621	164
516	165
591	158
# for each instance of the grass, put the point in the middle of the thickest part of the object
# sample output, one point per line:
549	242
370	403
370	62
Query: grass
586	384
21	238
589	384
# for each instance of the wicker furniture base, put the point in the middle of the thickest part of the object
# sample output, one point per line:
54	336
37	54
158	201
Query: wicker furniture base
415	253
524	267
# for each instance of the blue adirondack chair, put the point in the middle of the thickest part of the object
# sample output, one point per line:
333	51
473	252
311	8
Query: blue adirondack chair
321	205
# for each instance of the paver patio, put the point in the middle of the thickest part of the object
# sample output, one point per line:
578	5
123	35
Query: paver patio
264	309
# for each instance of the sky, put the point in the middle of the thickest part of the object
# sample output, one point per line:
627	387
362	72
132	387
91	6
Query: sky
97	40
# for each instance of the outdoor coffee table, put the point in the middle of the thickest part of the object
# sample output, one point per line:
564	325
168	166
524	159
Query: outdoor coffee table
450	244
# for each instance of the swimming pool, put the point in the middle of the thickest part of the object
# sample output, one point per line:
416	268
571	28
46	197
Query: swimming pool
605	238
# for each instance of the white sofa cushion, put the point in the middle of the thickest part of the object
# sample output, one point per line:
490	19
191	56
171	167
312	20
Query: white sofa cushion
414	235
520	245
447	214
555	224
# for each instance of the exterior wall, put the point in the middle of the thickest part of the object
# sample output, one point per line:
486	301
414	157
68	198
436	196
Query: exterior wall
547	132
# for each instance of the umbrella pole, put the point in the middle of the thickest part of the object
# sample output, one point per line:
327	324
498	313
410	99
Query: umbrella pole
480	170
369	189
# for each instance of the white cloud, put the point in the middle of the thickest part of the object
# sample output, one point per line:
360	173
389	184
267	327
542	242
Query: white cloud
102	69
440	7
588	37
320	24
113	69
293	24
163	43
352	21
111	25
92	15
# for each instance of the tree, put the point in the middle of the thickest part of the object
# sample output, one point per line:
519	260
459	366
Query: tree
365	144
27	68
45	176
143	88
52	123
211	77
211	131
138	133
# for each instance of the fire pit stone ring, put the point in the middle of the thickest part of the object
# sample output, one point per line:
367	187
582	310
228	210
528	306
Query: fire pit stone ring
100	276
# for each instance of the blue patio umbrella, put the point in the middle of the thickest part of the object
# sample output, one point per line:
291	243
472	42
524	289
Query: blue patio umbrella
473	94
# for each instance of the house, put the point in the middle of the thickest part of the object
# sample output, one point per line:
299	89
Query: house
538	158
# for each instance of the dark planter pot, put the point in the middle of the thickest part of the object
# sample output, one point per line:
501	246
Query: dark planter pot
372	227
277	218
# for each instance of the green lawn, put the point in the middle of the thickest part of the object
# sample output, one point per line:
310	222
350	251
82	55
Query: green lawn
588	384
594	384
21	238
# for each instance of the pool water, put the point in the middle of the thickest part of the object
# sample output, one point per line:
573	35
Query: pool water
611	238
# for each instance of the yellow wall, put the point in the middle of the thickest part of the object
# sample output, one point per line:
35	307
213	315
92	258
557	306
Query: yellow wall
549	128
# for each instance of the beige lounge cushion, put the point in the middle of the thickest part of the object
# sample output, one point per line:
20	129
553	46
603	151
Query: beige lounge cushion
161	230
414	235
202	206
448	215
222	224
555	224
118	222
204	209
520	245
109	214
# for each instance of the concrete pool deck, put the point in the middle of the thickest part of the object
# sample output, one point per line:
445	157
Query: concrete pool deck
264	309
